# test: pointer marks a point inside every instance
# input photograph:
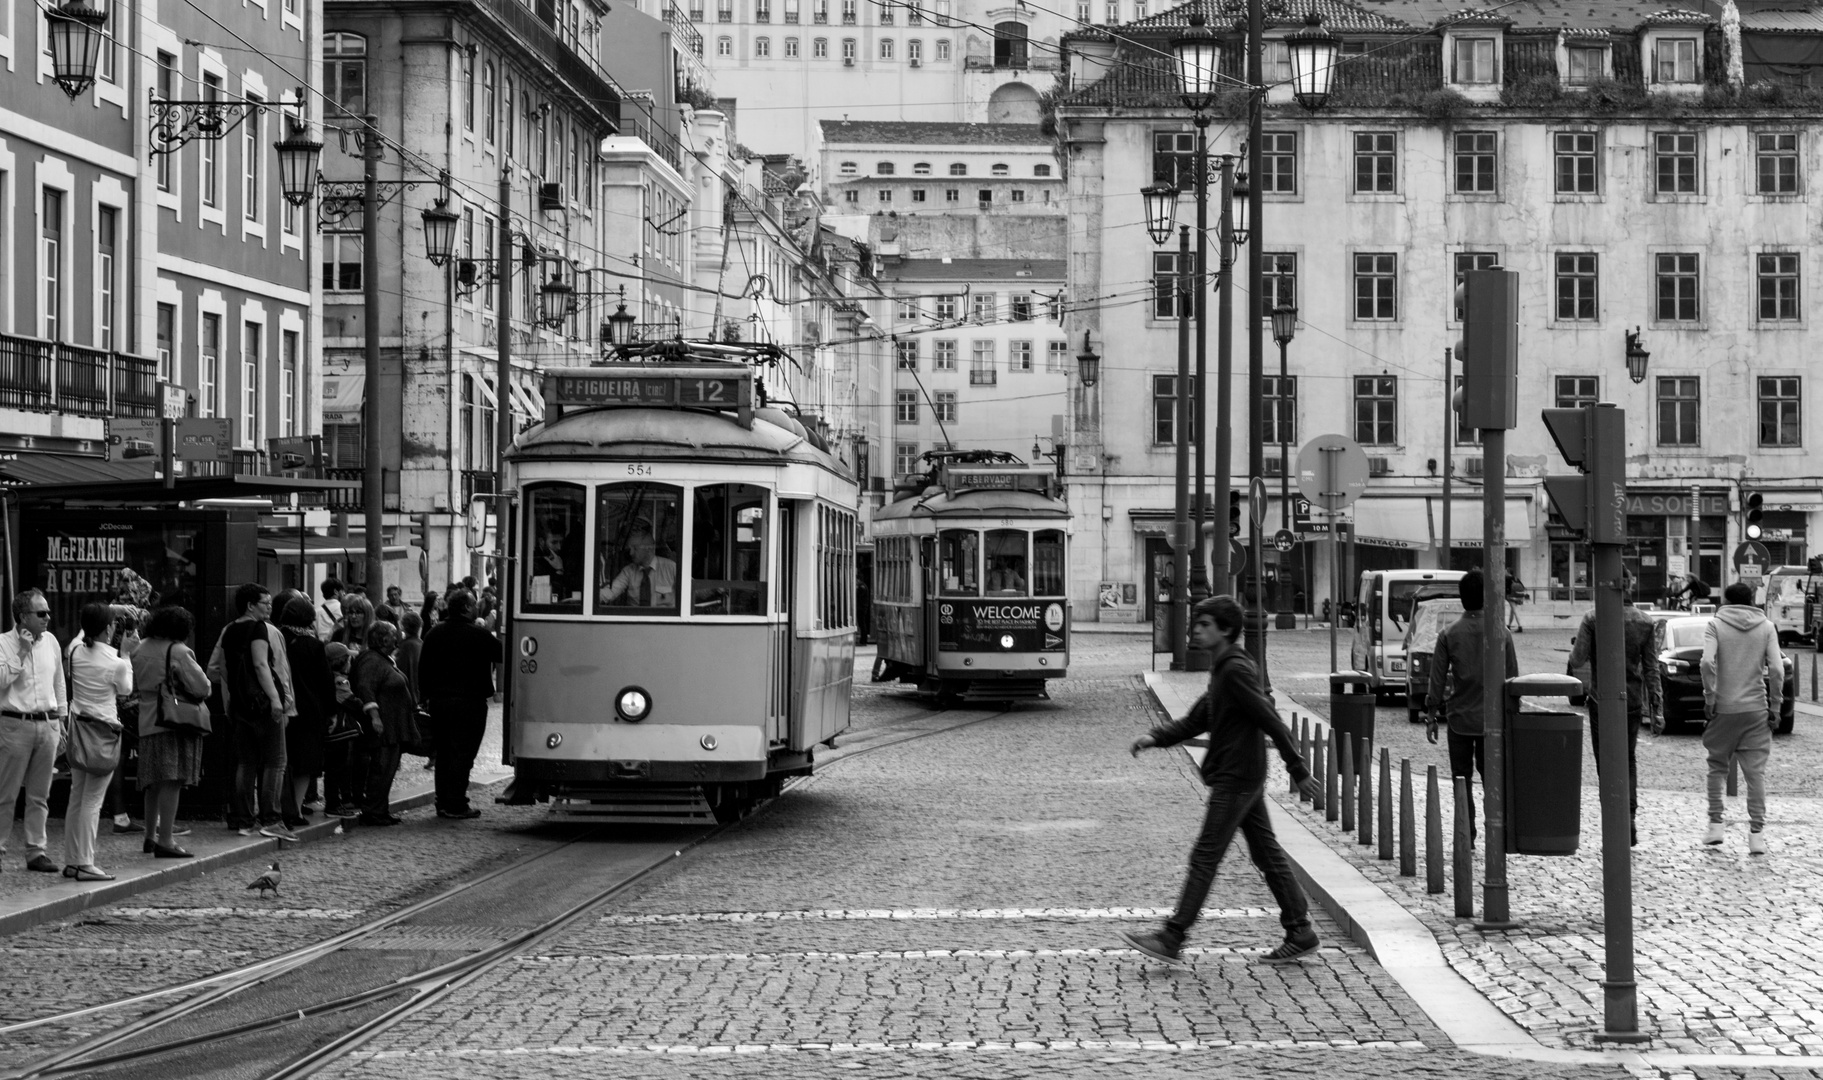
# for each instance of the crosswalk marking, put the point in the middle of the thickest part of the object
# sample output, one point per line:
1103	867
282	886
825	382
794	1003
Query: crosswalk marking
973	1046
913	914
896	954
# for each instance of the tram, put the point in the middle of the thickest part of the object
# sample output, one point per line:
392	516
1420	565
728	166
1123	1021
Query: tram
682	631
971	578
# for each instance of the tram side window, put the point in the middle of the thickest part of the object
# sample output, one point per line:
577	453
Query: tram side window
727	550
638	531
836	568
1007	569
1048	566
959	568
555	528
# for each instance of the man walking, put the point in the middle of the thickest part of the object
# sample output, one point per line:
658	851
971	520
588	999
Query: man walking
329	612
456	675
1743	690
1236	717
1456	686
1644	696
32	702
257	702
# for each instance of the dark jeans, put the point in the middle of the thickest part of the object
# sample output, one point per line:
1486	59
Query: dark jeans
1232	808
259	773
1633	722
460	723
382	766
342	787
1466	753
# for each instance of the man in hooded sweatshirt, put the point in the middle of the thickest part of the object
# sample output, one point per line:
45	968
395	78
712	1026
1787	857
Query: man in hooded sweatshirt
1743	689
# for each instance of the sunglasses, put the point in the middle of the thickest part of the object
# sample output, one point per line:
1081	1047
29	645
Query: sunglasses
42	613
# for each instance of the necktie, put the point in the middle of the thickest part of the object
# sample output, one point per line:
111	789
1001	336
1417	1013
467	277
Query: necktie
645	586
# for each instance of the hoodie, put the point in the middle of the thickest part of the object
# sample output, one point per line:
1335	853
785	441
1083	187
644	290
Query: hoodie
1743	671
1238	719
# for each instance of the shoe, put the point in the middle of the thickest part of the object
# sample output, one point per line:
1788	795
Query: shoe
1756	843
91	873
149	845
312	807
131	826
368	819
279	832
69	871
162	852
298	823
1713	835
346	811
242	830
1156	944
460	815
42	864
1289	951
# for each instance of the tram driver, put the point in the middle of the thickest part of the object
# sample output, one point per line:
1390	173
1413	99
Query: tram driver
648	580
1005	577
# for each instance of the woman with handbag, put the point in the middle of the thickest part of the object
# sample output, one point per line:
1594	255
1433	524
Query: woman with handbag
314	685
173	719
97	675
391	718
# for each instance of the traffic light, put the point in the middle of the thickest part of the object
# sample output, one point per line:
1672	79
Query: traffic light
1756	513
1593	439
1234	512
1489	349
417	532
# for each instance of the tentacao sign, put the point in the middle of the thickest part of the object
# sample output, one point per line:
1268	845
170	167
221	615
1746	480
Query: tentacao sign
986	626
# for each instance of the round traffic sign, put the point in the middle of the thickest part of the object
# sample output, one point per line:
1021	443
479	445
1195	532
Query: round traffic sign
1256	502
1752	552
1237	556
1283	540
1332	471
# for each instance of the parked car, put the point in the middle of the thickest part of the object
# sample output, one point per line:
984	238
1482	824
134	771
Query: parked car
1680	662
1383	614
1429	618
1789	603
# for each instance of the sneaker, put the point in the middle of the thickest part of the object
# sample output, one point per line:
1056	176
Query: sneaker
312	807
1156	944
279	832
131	826
241	830
1290	951
1713	835
1756	843
460	815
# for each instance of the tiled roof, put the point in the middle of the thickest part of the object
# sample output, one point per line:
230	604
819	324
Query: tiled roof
1040	270
917	133
1624	15
1783	22
1678	17
1338	16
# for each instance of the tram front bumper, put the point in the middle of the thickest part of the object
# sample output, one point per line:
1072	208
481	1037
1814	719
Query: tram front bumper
618	752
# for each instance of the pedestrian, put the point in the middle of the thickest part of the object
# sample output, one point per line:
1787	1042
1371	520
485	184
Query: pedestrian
98	675
357	618
32	703
456	673
170	755
393	608
1516	595
244	665
1644	696
1456	687
391	716
1743	691
344	759
411	646
314	687
329	612
430	611
1237	719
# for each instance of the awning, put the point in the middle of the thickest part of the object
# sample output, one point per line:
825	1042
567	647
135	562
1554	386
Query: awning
282	545
1399	522
1465	521
343	394
524	402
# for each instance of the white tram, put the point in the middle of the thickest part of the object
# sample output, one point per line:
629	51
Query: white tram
971	579
682	628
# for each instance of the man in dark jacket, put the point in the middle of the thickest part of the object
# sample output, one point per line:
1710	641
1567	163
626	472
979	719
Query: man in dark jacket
456	675
1456	686
1236	717
1644	696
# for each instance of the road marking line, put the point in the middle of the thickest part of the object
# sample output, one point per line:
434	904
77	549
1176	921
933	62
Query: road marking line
909	914
241	913
902	954
980	1046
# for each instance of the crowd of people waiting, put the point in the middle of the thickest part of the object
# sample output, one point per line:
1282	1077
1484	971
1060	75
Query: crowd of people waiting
318	703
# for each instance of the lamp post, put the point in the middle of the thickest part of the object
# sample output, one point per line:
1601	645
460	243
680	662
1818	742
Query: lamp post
1284	328
1161	216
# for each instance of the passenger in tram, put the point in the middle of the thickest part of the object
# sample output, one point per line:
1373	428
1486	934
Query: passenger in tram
558	556
1005	578
649	580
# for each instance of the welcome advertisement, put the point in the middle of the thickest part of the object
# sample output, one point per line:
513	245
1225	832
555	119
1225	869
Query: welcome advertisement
1000	626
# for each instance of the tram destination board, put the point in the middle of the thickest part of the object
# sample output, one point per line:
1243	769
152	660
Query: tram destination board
1010	625
728	387
997	480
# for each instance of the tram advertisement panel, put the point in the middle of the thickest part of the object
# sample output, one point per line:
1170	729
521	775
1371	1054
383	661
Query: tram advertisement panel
985	625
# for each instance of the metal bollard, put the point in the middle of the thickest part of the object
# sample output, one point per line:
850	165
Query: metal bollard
1433	834
1813	676
1386	805
1464	880
1316	765
1346	746
1408	828
1330	764
1364	790
1307	752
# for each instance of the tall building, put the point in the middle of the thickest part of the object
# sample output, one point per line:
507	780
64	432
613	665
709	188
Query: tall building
1638	168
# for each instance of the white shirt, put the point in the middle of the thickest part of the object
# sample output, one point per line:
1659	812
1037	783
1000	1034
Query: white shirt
31	673
328	613
98	674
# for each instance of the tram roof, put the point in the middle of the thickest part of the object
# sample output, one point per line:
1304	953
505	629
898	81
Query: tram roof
674	435
936	504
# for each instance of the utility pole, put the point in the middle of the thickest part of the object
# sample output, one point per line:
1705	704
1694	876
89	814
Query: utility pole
373	475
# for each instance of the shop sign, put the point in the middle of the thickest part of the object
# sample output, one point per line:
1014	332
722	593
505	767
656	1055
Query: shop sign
1668	504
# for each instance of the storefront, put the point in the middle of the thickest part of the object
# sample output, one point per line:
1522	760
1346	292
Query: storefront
1665	543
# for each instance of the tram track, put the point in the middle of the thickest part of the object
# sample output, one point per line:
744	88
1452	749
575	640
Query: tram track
110	1053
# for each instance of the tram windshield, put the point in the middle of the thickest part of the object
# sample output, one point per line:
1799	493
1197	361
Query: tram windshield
727	550
958	552
1048	567
638	531
1007	569
554	524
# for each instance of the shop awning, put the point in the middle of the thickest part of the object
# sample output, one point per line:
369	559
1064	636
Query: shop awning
1396	522
282	545
343	394
1465	521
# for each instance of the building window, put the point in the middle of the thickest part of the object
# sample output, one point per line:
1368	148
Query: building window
946	308
724	10
1022	307
288	382
1576	288
1279	414
1164	410
1056	357
1164	284
488	103
983	306
1577	167
1374	162
762	11
167	89
1113	13
852	195
762	47
1278	281
107	232
981	364
886	48
791	47
1376	410
1466	261
952	194
906	309
849	168
1779	412
1675	152
907	351
1475	61
791	12
848	49
819	49
905	407
211	149
1041	170
943	49
468	90
905	458
1476	157
345	73
1677	288
886	195
1678	399
819	12
921	168
1674	60
1587	64
958	169
1376	287
210	370
167	341
1575	391
1083	14
1279	162
943	354
50	264
884	168
1174	159
342	262
944	406
253	149
1016	195
724	46
918	194
1778	287
1001	169
1019	356
250	383
1777	162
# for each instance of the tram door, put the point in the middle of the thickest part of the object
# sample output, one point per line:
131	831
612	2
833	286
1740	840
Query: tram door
784	633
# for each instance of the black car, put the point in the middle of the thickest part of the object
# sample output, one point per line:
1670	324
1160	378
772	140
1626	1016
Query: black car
1680	668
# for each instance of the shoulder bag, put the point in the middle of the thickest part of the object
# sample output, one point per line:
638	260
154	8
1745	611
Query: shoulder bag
92	746
185	712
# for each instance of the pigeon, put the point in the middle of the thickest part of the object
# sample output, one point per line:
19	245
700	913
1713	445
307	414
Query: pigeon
267	880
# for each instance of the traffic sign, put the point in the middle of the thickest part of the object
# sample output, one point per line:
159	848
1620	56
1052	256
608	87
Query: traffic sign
1237	556
1332	471
1751	560
1256	502
205	439
1283	540
173	401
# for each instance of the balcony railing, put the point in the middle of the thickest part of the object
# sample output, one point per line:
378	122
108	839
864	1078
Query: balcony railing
476	482
48	376
689	38
990	377
584	76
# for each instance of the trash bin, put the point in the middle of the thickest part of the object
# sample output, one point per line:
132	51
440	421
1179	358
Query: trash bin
1543	769
1351	709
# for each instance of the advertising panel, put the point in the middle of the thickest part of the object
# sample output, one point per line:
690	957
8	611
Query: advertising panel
1008	625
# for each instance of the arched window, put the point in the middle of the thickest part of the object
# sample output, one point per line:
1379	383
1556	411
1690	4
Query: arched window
762	47
922	168
884	168
724	46
1041	170
849	168
345	72
1009	45
488	96
1000	169
958	169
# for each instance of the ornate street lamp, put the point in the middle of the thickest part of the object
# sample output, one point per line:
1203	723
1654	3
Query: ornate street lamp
1161	211
618	330
299	154
76	31
1284	328
556	301
1636	356
1313	58
1088	363
440	232
1284	324
1199	57
1240	229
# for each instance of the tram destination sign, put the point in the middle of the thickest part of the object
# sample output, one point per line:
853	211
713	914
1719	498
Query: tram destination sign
998	480
670	386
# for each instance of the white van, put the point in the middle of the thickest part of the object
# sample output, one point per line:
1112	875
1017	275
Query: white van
1383	611
1789	592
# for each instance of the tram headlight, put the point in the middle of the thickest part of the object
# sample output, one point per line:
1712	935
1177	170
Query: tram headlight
708	742
1006	641
553	741
633	704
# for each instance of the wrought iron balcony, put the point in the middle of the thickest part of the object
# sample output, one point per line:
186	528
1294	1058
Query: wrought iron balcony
988	377
51	376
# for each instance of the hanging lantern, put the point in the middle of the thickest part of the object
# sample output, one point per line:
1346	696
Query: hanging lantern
298	156
619	329
1284	324
1199	57
1240	209
76	31
556	302
1088	363
1313	62
440	233
1636	356
1161	211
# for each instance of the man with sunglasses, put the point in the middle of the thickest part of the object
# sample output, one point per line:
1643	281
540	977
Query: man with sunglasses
32	703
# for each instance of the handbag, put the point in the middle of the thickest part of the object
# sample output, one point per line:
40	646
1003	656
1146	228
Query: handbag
342	724
91	745
186	712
